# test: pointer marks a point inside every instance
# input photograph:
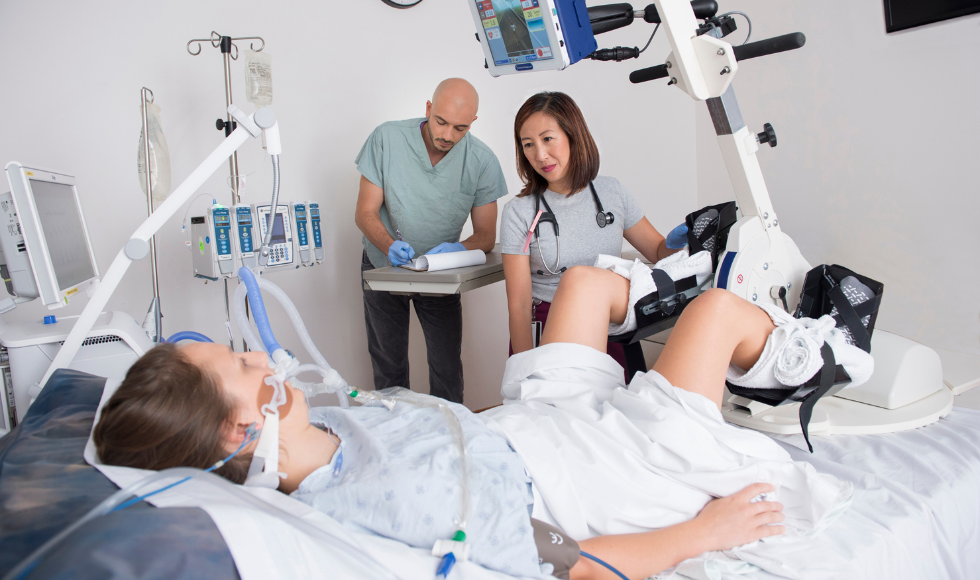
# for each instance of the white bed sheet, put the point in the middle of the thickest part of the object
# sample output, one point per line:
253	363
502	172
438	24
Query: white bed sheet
915	512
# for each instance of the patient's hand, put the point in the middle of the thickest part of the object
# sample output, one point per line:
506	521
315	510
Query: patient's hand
735	520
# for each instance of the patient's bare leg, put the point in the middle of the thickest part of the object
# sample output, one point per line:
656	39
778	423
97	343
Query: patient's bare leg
715	329
586	300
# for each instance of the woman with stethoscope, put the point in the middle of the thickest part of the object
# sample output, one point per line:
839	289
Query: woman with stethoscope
566	215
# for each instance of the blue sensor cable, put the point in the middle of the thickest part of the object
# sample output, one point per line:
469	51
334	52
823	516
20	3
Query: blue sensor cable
613	570
251	433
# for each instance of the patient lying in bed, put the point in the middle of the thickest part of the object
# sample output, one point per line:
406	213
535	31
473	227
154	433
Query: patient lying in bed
393	473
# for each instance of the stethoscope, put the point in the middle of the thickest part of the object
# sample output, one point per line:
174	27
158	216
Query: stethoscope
602	218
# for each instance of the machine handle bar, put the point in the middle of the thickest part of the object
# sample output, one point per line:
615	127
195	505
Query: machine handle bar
648	74
702	9
769	46
608	17
742	52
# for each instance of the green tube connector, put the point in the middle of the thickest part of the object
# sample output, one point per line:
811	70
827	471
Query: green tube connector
460	536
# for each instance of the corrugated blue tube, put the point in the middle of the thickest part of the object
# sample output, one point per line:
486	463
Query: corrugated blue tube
258	310
188	335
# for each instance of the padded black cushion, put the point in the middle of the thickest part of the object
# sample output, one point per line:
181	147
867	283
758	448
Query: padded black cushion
45	485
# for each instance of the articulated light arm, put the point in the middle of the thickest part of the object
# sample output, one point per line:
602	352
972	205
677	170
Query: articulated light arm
138	245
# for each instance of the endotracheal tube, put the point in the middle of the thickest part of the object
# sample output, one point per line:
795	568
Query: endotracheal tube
287	368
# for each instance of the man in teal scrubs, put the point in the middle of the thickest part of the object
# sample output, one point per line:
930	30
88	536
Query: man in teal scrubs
420	180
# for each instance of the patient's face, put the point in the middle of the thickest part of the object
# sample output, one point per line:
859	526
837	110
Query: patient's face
242	376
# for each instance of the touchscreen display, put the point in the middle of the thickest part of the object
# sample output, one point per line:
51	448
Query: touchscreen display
63	232
515	30
278	229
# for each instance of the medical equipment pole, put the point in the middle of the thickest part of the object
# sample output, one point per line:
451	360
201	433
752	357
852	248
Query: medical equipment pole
138	247
236	197
226	44
154	311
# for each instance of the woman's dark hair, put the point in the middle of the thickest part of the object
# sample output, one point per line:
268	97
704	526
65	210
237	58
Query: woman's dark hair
583	159
168	412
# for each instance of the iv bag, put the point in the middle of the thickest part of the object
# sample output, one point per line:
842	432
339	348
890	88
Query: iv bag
258	78
159	157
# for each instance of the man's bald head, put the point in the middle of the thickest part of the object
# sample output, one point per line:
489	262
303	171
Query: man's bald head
451	112
457	93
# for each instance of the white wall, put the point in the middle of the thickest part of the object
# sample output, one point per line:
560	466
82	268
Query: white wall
71	80
876	163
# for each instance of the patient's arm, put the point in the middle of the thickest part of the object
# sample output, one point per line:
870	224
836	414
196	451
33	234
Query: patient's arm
715	329
723	524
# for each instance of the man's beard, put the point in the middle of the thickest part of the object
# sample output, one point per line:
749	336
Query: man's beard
438	143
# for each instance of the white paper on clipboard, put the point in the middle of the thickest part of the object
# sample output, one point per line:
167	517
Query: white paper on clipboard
447	261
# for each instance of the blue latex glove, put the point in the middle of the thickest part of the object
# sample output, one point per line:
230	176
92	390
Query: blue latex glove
400	253
447	247
677	238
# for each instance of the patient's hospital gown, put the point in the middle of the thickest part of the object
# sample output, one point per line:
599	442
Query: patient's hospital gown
396	474
605	458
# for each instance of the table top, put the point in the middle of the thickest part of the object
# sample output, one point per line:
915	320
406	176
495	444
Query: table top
494	265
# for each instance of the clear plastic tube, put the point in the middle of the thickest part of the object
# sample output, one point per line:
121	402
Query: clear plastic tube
455	430
333	382
241	319
330	384
296	319
354	554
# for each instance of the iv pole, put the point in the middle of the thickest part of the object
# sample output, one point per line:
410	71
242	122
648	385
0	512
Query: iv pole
226	44
154	313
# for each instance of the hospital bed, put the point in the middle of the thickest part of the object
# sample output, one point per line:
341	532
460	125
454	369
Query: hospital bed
915	513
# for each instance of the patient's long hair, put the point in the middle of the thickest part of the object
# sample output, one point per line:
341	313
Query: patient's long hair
583	158
168	412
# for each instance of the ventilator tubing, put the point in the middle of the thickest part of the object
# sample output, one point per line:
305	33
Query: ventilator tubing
252	288
370	569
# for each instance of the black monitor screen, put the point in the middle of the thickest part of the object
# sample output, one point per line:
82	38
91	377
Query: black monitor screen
902	14
278	230
63	232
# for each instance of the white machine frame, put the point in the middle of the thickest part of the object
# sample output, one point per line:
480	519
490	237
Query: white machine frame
762	260
138	246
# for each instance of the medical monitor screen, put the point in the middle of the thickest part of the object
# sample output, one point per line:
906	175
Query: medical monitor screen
64	232
515	30
278	230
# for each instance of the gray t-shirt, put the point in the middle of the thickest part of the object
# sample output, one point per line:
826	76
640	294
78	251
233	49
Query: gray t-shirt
582	240
427	204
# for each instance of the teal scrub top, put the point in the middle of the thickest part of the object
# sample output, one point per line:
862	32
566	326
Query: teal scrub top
428	205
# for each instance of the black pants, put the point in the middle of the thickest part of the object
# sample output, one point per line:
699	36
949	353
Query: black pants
386	317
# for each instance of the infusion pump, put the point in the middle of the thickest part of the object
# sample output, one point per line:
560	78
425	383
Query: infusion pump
226	238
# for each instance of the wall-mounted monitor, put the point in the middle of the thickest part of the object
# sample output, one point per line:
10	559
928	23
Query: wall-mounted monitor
47	253
902	14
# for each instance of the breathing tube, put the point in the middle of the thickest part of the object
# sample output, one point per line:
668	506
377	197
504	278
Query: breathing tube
188	335
286	367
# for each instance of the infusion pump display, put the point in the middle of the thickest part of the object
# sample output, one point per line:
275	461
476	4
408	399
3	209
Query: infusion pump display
515	30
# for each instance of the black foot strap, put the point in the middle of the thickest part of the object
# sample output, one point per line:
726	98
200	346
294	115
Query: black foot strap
827	374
